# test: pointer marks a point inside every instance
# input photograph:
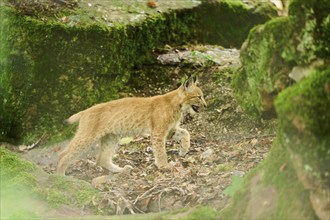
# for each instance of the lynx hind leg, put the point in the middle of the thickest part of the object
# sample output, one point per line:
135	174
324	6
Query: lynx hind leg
183	136
107	151
71	152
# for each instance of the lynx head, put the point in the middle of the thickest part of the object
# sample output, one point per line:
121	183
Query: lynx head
193	98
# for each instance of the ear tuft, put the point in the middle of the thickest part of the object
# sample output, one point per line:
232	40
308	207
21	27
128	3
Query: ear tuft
189	83
195	79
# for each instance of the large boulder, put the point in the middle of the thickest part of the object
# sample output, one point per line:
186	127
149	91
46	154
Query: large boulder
274	52
285	71
293	181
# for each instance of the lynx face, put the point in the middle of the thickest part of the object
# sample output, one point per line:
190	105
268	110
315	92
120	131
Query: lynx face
194	98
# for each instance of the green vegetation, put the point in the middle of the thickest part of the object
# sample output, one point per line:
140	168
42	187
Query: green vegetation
200	213
236	184
17	180
223	168
15	171
30	193
63	190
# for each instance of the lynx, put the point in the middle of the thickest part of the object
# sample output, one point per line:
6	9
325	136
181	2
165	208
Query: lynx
111	121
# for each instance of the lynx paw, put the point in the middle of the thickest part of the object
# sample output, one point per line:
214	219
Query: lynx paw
168	167
127	169
116	169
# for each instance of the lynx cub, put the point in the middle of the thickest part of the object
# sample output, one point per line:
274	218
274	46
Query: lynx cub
113	120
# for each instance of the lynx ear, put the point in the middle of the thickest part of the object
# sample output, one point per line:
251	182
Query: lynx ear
195	79
189	83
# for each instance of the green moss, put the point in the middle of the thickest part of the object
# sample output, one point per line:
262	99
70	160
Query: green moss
240	197
270	53
23	214
226	22
311	20
299	158
16	182
57	82
298	163
15	171
264	71
305	125
81	195
26	187
223	168
278	172
308	100
201	213
236	184
63	190
197	212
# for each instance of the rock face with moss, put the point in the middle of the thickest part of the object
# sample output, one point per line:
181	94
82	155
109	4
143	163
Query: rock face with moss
293	181
57	62
273	49
29	192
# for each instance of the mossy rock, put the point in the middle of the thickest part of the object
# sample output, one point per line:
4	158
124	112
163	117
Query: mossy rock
306	128
312	23
271	191
293	181
264	72
28	192
228	23
273	49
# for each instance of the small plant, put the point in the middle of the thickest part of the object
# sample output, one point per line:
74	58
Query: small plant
201	59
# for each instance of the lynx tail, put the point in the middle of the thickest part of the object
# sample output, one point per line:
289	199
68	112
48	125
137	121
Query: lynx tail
74	118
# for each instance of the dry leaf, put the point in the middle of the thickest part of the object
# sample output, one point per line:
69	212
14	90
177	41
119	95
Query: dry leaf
254	141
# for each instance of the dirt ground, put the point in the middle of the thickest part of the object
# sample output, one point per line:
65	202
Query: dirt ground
225	142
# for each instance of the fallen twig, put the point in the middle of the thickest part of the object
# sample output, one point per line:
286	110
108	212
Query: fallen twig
25	148
144	195
127	203
259	136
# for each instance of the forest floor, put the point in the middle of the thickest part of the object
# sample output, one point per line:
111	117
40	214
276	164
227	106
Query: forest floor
225	143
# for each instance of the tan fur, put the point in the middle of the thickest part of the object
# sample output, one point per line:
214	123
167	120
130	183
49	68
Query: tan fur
113	120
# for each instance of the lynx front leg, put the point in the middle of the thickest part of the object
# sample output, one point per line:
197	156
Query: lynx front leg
107	151
158	142
183	136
